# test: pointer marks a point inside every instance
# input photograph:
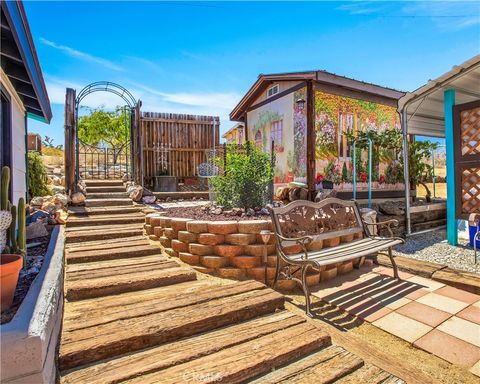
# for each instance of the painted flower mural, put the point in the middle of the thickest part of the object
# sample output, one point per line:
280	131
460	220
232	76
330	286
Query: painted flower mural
299	136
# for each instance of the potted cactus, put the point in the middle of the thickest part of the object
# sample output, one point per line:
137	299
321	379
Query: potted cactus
13	242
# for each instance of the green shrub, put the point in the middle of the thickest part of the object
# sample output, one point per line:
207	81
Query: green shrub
247	180
37	176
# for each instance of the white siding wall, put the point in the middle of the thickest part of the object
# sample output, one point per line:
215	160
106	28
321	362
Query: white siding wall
18	166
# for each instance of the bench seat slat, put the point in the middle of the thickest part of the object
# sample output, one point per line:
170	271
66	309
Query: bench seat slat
349	251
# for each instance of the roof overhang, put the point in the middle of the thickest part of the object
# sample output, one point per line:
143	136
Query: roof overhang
19	61
323	77
425	106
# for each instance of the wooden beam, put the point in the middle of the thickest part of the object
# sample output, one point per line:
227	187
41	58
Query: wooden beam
69	149
16	72
310	138
9	52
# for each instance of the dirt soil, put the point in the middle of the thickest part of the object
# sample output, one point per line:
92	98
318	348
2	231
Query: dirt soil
197	213
34	264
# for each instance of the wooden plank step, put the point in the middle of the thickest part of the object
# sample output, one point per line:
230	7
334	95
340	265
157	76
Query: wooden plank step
111	254
87	227
182	351
109	188
103	183
133	334
416	267
90	313
136	279
125	241
370	374
242	362
117	202
107	245
103	234
105	219
468	281
91	211
326	366
107	195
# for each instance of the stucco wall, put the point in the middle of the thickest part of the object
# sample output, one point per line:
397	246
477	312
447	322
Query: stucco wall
18	166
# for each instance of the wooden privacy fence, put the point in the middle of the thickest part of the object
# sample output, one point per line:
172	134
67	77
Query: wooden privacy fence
175	144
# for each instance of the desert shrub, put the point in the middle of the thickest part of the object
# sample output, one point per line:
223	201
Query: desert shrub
37	176
247	179
51	151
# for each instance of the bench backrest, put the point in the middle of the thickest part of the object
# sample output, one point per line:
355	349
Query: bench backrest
326	219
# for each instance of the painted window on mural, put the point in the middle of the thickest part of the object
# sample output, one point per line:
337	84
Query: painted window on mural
276	132
340	120
258	139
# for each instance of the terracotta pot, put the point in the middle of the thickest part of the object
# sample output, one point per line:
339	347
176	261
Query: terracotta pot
10	266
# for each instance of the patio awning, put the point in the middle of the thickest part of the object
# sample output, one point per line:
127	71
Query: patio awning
425	105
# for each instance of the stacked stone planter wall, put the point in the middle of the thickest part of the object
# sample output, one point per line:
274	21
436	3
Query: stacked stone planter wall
229	249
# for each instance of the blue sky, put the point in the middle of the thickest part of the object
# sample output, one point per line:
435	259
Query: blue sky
200	58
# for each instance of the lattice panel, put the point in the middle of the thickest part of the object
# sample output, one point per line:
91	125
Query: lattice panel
470	190
470	131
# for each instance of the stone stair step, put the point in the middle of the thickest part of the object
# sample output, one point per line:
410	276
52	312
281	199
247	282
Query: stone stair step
111	254
117	202
107	195
93	211
103	183
91	283
109	188
182	351
240	363
105	220
326	366
101	234
147	329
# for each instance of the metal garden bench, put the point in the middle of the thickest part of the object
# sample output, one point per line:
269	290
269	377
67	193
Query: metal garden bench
303	227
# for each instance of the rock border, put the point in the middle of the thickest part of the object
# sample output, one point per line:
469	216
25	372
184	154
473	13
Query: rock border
30	339
229	249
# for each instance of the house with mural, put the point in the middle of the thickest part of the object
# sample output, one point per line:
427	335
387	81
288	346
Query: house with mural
235	135
311	119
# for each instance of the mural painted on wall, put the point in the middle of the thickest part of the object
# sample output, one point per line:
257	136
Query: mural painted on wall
298	159
338	121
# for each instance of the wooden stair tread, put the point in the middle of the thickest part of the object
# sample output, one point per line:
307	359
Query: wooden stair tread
92	244
326	366
107	228
83	236
108	202
127	335
108	220
133	281
111	253
106	188
178	352
370	374
247	360
85	314
83	211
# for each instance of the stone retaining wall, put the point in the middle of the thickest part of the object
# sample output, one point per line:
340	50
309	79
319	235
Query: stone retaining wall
230	249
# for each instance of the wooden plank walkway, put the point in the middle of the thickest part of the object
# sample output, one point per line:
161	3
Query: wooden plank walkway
134	315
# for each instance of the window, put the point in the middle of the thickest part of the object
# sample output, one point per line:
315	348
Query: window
258	139
272	91
276	130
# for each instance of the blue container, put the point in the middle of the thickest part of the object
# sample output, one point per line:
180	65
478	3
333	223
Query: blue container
472	229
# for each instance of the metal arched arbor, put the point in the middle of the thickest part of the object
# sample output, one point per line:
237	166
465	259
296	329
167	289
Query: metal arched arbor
131	104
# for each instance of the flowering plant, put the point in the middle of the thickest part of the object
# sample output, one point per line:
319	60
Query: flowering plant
319	178
363	177
381	179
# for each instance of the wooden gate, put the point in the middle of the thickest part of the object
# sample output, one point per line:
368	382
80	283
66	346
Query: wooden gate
467	158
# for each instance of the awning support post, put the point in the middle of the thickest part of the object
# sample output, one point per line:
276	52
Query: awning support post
452	230
406	171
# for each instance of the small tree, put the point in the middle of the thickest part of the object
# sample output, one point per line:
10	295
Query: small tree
247	178
420	169
37	176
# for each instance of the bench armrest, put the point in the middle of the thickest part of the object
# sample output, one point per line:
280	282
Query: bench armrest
387	223
302	241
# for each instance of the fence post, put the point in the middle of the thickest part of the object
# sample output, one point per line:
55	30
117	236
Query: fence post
224	159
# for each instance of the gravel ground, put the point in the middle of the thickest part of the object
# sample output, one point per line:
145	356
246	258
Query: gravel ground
433	247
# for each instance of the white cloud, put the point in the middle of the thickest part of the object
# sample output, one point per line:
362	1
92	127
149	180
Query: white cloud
82	55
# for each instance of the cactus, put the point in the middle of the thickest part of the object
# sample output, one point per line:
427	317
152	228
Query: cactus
12	235
5	185
21	232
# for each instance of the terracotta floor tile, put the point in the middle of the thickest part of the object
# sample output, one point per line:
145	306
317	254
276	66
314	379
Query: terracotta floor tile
395	303
401	274
449	348
426	283
462	329
366	309
402	326
417	293
442	303
423	313
458	294
477	304
470	313
476	369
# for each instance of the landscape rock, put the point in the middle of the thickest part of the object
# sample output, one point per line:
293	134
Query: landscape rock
78	198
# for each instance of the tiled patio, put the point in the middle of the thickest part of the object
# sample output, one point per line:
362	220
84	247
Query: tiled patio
439	319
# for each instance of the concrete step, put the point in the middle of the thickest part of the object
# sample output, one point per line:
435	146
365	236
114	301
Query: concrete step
117	202
107	195
106	189
103	183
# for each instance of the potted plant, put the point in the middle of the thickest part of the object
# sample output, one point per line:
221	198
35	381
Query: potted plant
14	248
